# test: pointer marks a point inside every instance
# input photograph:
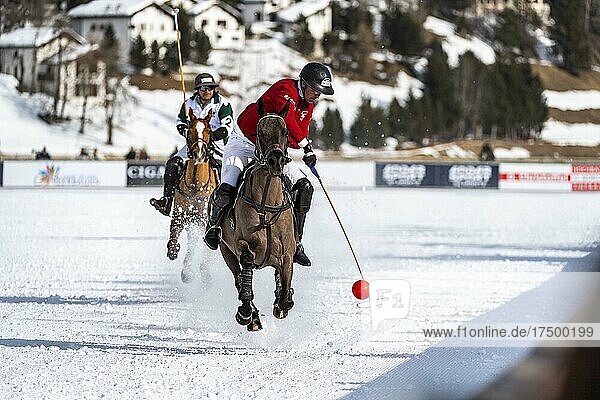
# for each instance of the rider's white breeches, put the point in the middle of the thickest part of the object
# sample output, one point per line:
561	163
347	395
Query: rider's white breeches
239	152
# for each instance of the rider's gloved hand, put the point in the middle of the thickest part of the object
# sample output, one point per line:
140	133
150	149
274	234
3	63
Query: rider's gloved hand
219	133
182	129
309	158
190	153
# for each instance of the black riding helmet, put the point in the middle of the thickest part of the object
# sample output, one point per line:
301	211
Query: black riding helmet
318	77
204	79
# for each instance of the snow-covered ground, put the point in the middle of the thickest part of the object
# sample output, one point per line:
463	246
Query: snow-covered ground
565	134
455	45
91	307
573	100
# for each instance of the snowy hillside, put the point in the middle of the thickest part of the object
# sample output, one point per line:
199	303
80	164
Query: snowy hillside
147	119
146	122
557	132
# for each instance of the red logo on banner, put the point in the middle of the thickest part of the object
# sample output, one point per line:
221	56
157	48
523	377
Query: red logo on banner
586	168
585	177
586	187
535	176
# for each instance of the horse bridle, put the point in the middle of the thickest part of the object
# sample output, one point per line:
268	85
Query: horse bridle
261	207
205	156
262	156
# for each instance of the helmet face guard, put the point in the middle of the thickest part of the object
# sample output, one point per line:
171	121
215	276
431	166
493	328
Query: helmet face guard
318	77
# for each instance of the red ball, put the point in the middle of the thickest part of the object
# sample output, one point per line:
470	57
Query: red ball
360	289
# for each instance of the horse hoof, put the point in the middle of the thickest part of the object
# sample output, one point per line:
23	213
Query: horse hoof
254	326
241	317
187	275
279	313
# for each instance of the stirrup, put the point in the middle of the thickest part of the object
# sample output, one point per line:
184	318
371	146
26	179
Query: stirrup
164	209
300	257
212	237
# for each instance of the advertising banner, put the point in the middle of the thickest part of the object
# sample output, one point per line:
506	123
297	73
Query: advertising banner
468	176
522	176
47	173
461	176
585	177
145	173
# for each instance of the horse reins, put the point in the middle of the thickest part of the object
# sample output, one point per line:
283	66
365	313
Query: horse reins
262	209
206	156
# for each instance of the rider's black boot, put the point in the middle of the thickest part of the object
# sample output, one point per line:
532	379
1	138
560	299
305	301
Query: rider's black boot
303	191
220	201
173	171
299	256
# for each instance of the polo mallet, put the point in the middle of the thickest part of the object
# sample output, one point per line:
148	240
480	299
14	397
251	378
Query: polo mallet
360	288
175	14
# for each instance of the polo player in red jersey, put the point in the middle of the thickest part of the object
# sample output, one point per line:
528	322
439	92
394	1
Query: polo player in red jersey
314	80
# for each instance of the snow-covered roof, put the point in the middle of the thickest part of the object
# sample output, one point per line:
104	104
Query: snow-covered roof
32	36
302	9
72	54
114	8
206	4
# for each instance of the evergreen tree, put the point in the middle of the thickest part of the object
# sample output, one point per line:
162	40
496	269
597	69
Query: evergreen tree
171	58
347	19
187	32
368	129
362	49
402	33
109	40
594	17
332	45
512	33
417	126
154	56
449	7
109	47
331	136
569	33
137	53
496	102
202	47
396	120
302	41
470	81
439	91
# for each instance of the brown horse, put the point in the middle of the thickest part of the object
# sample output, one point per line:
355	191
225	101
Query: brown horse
264	230
191	198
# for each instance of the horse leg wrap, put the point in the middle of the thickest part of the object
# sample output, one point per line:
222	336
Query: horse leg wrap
173	171
277	287
246	294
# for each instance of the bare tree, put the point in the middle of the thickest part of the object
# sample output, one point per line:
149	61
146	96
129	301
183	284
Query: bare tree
117	96
84	86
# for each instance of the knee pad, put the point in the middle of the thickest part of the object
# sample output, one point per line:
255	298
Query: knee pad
224	195
303	191
175	162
